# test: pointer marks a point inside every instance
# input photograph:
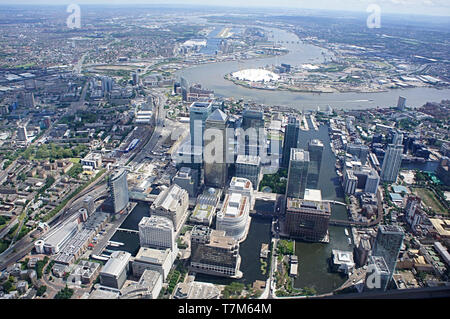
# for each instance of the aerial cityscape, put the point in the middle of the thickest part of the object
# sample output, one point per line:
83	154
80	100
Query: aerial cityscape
194	151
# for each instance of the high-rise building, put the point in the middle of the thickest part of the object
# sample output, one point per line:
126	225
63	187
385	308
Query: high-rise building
119	190
187	178
297	173
184	84
233	218
350	182
253	119
401	104
107	84
362	251
172	203
412	208
307	220
28	100
378	274
157	232
391	163
22	133
361	151
215	155
315	149
397	138
291	134
136	79
198	113
387	245
249	167
214	253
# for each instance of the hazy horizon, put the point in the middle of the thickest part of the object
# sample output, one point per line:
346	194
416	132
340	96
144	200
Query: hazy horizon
414	7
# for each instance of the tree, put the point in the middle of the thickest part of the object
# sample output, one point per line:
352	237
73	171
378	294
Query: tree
41	290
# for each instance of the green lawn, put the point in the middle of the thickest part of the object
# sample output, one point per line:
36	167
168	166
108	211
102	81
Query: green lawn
429	199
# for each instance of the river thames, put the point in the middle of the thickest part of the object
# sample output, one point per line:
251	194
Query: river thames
211	76
313	257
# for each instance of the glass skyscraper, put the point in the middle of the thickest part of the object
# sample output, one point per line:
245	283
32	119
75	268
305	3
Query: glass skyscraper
315	149
119	190
291	134
387	245
297	173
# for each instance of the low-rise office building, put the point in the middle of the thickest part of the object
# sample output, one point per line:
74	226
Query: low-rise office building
115	271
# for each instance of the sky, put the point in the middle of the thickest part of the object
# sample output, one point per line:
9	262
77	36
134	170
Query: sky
427	7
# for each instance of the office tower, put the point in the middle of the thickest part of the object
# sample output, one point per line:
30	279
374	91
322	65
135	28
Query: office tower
412	206
47	121
307	220
215	150
297	173
361	251
107	84
378	274
28	100
359	150
172	203
350	182
233	218
184	84
362	178
187	178
249	167
157	232
198	113
372	182
387	245
136	78
315	149
391	163
253	118
22	133
397	138
214	253
401	104
291	134
115	271
119	190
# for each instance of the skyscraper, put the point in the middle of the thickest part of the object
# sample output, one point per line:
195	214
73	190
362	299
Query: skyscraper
22	133
216	167
198	113
291	134
315	149
387	245
378	274
297	173
391	163
253	118
119	190
248	166
401	103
